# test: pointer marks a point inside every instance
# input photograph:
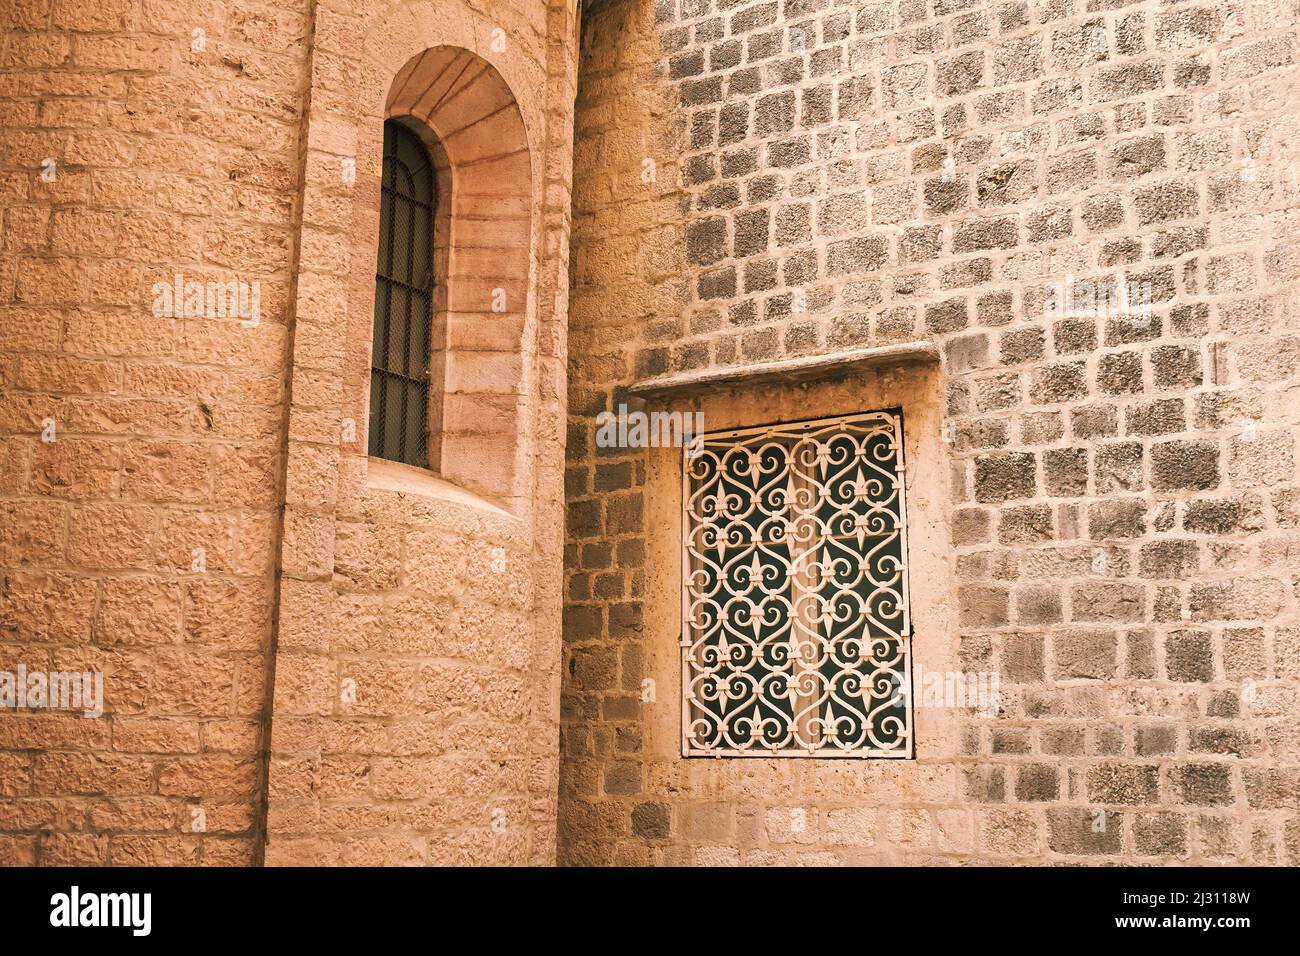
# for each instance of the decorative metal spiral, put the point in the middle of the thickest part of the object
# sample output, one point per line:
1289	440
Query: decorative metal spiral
795	592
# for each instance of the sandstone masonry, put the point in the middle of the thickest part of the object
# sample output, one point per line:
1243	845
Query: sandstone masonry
1121	487
308	657
1063	228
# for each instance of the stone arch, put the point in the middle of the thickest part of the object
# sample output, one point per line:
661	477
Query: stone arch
468	116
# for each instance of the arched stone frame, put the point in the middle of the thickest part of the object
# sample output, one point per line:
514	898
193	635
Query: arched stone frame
462	108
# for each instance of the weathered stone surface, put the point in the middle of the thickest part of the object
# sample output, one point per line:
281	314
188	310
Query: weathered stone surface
807	207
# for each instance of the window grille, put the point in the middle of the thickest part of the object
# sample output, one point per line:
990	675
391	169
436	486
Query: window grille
796	632
399	374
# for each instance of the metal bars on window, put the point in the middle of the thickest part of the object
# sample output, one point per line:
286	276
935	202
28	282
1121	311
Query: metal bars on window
796	632
399	373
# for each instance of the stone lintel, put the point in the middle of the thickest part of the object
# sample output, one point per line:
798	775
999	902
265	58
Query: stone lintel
665	387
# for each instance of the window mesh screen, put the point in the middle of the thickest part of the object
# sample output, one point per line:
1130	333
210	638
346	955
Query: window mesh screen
399	374
795	639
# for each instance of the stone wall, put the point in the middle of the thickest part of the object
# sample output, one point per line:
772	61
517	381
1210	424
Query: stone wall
783	178
308	656
417	669
133	151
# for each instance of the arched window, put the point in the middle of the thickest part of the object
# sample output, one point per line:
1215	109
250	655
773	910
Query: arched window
402	351
453	335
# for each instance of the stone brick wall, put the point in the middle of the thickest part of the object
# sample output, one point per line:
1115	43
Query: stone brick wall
417	669
330	659
782	178
128	155
183	510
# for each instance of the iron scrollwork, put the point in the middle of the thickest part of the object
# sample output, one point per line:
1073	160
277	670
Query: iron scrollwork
796	631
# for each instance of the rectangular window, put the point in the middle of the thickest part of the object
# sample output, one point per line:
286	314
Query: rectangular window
795	634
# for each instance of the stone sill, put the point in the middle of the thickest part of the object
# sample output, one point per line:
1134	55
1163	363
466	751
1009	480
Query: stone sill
385	475
784	370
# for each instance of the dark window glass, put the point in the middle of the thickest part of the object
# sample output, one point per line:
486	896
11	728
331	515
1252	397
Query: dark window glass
399	374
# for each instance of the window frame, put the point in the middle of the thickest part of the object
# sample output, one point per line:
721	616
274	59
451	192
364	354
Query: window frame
789	431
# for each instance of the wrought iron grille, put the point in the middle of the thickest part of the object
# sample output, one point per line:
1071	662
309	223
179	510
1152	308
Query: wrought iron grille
399	373
795	639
